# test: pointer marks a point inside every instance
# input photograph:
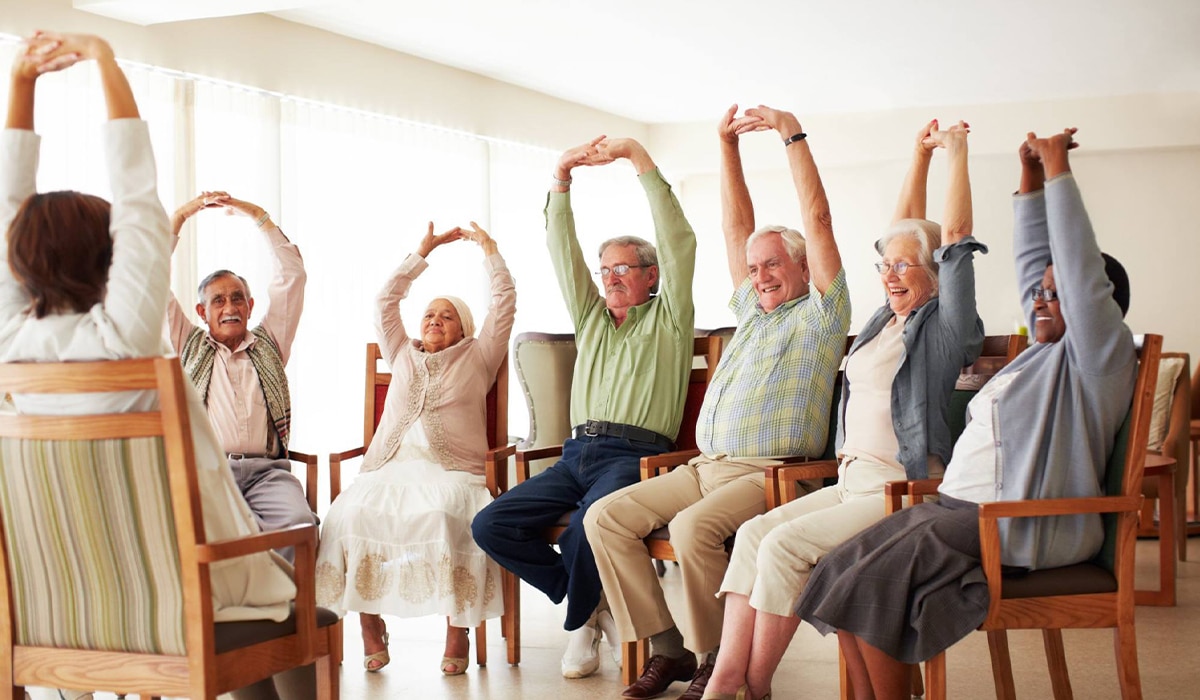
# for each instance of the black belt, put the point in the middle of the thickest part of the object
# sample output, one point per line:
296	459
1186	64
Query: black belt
598	428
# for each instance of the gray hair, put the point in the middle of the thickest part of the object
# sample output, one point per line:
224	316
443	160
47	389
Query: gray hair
642	249
793	240
213	277
927	234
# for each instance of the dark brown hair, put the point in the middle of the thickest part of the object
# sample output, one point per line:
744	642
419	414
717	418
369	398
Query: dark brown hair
60	249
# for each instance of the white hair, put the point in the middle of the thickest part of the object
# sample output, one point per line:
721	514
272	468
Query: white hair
793	240
927	234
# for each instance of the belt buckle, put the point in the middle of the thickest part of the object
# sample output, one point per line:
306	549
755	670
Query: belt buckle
591	428
236	455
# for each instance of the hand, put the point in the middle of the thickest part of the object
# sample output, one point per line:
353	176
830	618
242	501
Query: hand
430	241
731	127
785	123
1039	149
47	52
613	149
478	235
586	154
955	135
234	206
1027	156
925	143
206	200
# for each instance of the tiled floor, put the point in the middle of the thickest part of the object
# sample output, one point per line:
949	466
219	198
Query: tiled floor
1168	648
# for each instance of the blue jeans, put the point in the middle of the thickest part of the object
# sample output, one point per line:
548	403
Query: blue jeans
512	528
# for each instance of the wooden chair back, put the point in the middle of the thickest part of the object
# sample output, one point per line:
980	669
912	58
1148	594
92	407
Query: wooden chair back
105	565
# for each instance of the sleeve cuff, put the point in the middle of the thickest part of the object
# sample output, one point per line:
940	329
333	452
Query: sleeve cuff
966	246
495	262
413	265
653	180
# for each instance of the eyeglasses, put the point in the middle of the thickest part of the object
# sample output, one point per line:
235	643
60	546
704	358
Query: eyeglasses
619	270
1044	294
899	267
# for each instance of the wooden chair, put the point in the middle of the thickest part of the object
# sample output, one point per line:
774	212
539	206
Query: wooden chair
496	470
1091	595
707	351
67	620
781	480
1166	484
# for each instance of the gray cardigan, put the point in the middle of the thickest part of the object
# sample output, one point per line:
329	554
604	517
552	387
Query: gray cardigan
1057	422
940	338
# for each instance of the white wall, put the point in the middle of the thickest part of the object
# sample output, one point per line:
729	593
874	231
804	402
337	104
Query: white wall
1138	168
276	55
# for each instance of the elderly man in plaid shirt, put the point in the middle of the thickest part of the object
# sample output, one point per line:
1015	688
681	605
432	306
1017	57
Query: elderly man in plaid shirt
769	398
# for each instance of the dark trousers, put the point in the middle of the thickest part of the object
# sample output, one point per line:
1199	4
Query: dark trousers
512	528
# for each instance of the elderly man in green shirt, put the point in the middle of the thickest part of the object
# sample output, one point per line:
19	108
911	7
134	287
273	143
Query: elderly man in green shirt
627	392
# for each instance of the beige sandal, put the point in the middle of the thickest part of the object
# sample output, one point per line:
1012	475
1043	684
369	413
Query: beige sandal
460	665
380	657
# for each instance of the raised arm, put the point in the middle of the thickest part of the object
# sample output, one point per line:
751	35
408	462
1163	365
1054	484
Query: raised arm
911	204
958	220
18	171
737	210
824	259
497	327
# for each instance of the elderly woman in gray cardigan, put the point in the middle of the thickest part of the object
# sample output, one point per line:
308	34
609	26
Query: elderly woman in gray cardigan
398	541
899	375
1042	428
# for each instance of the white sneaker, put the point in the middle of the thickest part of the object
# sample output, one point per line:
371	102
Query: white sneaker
581	659
608	626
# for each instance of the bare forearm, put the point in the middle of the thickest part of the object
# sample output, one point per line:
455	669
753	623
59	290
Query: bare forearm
958	222
737	210
20	103
117	93
824	260
913	195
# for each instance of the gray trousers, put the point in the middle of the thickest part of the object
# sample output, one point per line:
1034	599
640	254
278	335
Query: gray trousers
273	493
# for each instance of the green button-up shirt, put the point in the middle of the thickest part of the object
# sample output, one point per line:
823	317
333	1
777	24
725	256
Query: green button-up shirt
636	373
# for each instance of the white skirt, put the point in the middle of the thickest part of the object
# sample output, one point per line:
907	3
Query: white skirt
398	542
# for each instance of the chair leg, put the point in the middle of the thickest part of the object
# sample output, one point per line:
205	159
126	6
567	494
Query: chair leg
918	687
1001	665
1165	595
336	650
1056	660
511	622
481	643
327	678
1127	662
844	683
935	677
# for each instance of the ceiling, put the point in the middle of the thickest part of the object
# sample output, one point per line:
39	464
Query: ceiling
664	61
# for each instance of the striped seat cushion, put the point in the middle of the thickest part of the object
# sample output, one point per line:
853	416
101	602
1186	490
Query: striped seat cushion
91	545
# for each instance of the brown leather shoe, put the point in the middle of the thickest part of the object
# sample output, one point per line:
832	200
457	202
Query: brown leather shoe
659	673
695	691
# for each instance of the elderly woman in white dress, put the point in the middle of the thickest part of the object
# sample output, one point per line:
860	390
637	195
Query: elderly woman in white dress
398	541
81	279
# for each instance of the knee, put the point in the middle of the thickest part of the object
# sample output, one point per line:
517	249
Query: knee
780	548
483	528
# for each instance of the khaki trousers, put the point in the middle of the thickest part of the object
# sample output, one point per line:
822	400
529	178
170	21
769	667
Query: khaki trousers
775	553
704	502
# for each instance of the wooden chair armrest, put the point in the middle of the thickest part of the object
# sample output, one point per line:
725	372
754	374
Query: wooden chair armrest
310	476
1155	470
916	490
495	465
781	478
657	465
335	469
524	457
1058	506
294	536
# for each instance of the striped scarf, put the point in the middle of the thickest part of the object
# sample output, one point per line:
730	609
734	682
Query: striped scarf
199	356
